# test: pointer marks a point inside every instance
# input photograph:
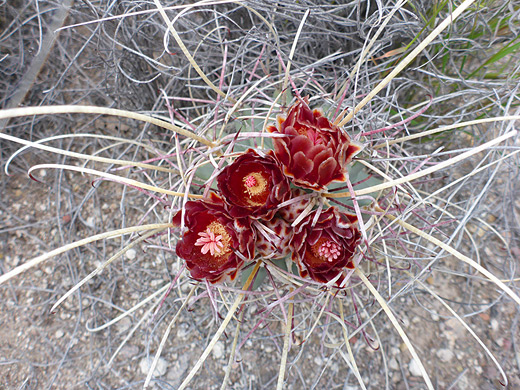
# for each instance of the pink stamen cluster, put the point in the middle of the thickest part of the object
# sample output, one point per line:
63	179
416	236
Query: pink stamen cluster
250	181
329	250
209	242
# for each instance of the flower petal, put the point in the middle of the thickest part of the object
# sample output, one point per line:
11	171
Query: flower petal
327	170
302	165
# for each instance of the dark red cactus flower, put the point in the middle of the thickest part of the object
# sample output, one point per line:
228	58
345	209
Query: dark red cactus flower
324	250
253	186
315	152
273	243
215	245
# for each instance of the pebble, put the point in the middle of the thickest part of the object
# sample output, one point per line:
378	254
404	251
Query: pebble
176	373
414	368
160	368
64	315
128	352
156	282
131	254
485	316
393	364
123	324
182	331
491	218
454	331
218	350
445	355
59	334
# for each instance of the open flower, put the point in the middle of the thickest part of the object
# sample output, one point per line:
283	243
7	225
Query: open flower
253	186
324	250
314	152
214	245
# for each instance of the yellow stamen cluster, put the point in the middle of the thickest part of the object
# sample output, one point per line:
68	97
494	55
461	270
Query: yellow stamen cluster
219	230
254	184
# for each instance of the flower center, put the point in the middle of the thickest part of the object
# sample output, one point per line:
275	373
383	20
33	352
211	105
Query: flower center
214	240
255	184
250	181
327	250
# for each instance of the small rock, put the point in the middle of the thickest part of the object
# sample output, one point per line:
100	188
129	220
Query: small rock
414	368
218	350
59	334
123	325
463	383
182	331
160	368
454	331
176	373
131	254
393	364
128	352
484	316
64	316
445	355
494	324
156	282
481	232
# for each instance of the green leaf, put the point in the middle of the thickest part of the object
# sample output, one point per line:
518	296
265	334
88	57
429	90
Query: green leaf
505	51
